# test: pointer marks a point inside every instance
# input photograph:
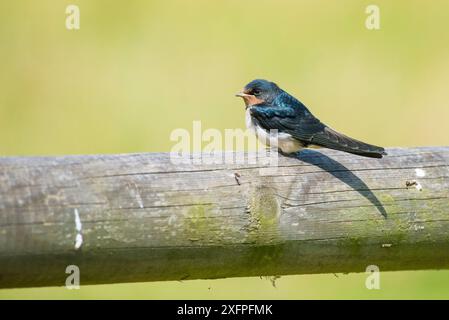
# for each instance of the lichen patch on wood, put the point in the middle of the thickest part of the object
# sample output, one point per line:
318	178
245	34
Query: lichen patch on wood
263	214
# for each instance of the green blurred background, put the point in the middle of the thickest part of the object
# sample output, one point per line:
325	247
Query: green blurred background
136	70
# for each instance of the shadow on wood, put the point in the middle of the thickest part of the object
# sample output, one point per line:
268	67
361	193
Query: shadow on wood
344	174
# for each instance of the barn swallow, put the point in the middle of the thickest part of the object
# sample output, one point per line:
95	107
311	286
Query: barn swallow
280	120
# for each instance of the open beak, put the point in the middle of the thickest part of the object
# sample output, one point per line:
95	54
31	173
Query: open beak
242	94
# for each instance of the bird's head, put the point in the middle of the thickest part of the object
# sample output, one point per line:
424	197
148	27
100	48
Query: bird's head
259	91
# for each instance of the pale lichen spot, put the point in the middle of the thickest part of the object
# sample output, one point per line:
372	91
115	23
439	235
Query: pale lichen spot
420	173
78	241
78	227
418	227
418	186
135	193
78	224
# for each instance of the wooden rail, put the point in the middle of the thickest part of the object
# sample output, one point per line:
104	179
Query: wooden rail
138	217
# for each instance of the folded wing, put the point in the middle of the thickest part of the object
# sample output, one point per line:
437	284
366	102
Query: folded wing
302	125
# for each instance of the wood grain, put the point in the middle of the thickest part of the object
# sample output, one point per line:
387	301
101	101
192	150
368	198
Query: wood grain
143	218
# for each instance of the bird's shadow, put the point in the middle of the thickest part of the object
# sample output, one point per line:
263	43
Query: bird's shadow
340	172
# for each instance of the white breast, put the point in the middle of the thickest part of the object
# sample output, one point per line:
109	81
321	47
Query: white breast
280	140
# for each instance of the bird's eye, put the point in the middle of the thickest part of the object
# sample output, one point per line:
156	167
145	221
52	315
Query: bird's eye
256	92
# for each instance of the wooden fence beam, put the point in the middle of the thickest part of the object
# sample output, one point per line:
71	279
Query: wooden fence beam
139	217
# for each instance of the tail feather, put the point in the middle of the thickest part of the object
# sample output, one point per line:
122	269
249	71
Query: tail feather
332	139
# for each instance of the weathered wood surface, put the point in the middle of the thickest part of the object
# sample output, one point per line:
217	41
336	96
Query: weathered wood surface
142	218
